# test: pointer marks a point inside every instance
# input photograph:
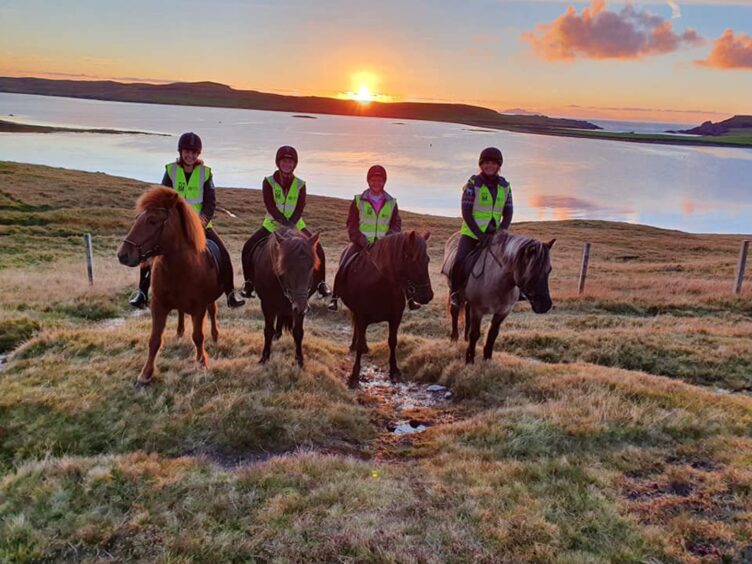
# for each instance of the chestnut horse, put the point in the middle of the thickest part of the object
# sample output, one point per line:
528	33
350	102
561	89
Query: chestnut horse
508	264
283	266
184	275
374	285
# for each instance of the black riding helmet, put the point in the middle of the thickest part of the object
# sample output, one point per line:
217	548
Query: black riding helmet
286	152
490	154
189	141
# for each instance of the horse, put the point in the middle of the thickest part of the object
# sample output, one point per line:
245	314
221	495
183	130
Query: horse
507	264
374	285
283	266
184	275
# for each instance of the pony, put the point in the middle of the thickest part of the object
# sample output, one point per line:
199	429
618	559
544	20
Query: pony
374	283
184	276
507	264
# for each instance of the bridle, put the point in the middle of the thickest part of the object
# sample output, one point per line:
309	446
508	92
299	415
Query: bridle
497	260
157	235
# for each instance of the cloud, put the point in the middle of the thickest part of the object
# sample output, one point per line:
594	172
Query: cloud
675	10
600	34
730	52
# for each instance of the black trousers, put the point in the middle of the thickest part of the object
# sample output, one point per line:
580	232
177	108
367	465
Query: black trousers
225	269
460	271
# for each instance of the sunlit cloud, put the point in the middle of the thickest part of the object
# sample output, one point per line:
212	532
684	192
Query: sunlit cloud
730	52
675	10
598	33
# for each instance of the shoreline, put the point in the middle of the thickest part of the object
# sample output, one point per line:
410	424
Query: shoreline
18	127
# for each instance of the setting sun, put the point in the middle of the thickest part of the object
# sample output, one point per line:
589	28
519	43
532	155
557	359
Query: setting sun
363	94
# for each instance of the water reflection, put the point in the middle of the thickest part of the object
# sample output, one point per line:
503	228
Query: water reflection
688	188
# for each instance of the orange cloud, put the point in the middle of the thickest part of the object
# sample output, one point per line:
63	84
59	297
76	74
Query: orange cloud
600	34
730	52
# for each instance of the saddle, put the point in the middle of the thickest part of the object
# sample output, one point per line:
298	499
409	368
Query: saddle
213	249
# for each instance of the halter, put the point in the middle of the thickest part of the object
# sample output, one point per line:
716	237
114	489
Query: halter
156	249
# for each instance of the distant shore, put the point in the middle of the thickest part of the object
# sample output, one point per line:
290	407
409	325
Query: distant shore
16	127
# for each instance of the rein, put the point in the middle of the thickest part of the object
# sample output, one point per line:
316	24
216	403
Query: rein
410	287
157	235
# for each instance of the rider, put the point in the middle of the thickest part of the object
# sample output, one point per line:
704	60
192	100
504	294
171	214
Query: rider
193	181
486	206
284	199
373	215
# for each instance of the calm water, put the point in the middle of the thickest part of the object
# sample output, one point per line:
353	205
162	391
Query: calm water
692	189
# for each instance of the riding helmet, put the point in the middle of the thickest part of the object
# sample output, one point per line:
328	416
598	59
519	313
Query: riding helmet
376	170
490	154
286	152
189	141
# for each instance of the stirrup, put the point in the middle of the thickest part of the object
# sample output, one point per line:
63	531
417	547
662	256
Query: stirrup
412	305
233	301
323	289
138	300
333	305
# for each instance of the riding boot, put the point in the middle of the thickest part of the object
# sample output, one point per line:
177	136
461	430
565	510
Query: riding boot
323	289
412	305
333	304
247	290
233	301
140	298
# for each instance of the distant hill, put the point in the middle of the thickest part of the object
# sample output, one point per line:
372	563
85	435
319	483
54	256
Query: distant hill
736	125
221	95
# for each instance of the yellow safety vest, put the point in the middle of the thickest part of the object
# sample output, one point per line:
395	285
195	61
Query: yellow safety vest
286	203
191	190
485	208
375	225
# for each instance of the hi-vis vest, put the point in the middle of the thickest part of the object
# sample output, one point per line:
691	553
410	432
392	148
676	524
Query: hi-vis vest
285	203
485	208
193	189
375	225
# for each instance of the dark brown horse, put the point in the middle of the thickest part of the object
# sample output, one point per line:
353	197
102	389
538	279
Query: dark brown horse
508	264
374	285
283	268
184	276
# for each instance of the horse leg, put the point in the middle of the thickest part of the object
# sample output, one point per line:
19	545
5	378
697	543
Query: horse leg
394	371
268	336
467	322
473	321
493	332
213	320
181	325
360	339
158	321
278	328
198	338
297	334
454	312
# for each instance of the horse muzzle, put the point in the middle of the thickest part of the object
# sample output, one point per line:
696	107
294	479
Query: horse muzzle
128	255
540	305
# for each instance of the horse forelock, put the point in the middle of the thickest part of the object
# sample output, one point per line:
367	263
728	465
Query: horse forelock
388	251
190	224
527	256
290	249
157	197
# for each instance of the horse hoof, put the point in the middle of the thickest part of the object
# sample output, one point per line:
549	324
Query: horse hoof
141	384
395	375
353	382
277	336
263	360
215	337
300	362
454	338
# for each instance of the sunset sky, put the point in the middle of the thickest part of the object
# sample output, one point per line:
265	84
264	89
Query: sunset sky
690	58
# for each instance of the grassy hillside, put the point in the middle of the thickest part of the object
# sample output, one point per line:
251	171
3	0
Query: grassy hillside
597	434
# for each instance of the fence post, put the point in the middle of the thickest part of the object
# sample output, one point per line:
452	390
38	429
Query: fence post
89	259
583	268
740	267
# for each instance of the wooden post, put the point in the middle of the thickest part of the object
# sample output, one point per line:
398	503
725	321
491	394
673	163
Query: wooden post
740	267
583	269
89	259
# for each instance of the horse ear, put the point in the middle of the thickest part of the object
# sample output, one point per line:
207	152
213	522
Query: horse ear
426	235
550	243
314	239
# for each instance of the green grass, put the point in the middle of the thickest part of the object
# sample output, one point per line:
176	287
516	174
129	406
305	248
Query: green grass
585	440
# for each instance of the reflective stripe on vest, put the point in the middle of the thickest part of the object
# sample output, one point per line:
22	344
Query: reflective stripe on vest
374	225
485	208
285	203
191	190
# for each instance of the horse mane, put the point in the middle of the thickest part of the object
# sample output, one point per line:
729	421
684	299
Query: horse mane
524	252
167	198
388	251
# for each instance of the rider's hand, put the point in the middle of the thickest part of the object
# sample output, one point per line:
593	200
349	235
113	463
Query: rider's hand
204	220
